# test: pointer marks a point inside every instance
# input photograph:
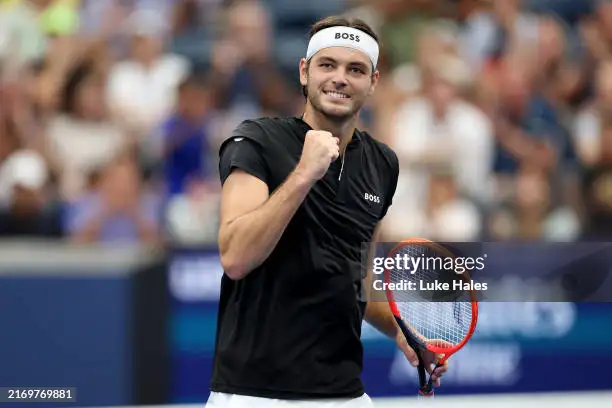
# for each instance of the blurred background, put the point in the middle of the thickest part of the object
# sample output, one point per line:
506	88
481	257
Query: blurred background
111	115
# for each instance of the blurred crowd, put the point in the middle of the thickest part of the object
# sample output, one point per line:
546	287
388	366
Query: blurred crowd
112	111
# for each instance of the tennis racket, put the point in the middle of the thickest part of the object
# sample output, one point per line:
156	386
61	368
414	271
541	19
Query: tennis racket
432	316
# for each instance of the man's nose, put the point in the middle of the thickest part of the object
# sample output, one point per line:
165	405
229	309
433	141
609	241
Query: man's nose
339	78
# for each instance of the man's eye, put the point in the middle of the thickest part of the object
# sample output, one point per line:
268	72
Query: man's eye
326	65
357	70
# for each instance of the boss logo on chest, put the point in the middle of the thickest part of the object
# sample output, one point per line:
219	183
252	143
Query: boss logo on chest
372	198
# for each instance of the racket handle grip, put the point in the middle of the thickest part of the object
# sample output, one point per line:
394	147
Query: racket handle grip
422	395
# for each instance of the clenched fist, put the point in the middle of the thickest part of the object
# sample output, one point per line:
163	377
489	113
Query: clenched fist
320	149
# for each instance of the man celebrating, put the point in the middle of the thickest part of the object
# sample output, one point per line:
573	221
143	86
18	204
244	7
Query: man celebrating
300	196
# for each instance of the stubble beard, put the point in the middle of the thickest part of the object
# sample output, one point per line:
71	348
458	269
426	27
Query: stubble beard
315	102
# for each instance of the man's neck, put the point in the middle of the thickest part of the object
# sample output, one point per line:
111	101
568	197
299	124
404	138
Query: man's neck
342	130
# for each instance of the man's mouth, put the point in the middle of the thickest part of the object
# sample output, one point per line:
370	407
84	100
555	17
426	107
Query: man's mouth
336	94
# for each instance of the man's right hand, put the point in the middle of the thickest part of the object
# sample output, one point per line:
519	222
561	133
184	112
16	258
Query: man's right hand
321	148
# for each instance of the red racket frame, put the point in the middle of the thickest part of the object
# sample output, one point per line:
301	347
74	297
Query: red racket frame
446	351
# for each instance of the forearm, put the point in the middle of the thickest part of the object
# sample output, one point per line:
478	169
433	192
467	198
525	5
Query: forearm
247	241
378	314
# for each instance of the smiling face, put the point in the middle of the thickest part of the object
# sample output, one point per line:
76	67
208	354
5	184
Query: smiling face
338	80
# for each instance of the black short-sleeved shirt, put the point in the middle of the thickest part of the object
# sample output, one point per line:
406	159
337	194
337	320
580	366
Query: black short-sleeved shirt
291	328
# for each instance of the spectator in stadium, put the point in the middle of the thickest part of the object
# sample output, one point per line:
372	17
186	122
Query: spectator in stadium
598	196
533	211
28	208
594	138
532	202
81	137
439	128
118	210
192	17
187	151
433	42
527	125
593	126
399	84
141	90
244	76
516	27
190	164
449	215
603	24
478	31
535	73
534	148
558	79
402	23
22	36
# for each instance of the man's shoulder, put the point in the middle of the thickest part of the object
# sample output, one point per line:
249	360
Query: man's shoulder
382	150
262	131
268	124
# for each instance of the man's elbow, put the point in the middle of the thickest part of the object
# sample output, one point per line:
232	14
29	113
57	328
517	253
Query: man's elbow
231	262
233	266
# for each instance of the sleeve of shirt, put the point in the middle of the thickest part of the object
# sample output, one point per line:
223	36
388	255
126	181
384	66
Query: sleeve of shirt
393	178
241	152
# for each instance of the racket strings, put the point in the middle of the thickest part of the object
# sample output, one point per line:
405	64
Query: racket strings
431	313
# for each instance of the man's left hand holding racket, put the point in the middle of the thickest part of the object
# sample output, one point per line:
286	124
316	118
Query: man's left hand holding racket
430	359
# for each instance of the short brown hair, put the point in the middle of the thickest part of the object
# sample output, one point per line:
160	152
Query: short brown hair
339	21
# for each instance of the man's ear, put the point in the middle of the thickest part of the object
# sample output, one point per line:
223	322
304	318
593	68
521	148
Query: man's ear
375	77
304	72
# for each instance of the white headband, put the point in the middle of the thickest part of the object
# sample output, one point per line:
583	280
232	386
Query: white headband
340	36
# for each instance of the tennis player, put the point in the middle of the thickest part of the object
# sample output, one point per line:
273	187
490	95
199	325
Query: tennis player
300	196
